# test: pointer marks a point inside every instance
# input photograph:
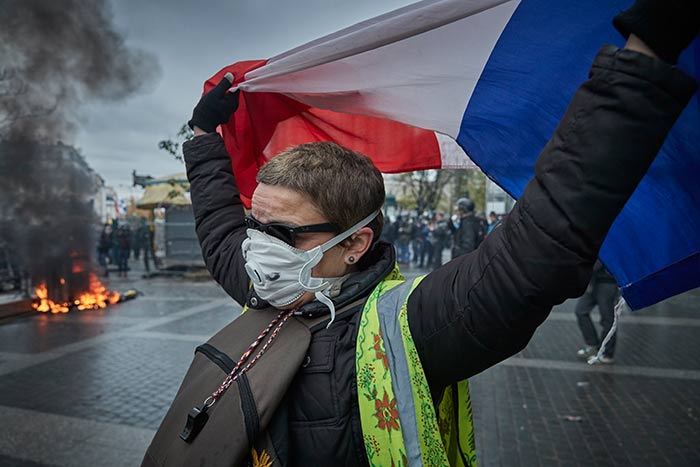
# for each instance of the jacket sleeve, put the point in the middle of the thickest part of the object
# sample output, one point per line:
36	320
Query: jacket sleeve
218	212
482	308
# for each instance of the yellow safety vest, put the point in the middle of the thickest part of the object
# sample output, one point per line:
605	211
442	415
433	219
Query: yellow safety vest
400	424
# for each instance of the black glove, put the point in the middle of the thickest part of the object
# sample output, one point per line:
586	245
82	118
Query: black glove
215	107
666	26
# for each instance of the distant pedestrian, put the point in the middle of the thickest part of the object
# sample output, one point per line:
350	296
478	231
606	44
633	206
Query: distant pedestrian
416	240
114	247
493	222
425	252
149	252
404	242
140	238
104	246
470	232
389	233
441	235
123	249
602	291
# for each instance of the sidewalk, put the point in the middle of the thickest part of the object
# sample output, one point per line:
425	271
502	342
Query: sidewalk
90	388
543	407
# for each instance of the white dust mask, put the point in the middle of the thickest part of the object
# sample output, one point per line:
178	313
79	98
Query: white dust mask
281	273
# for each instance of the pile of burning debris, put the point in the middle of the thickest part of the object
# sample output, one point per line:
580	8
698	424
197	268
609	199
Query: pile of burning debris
95	297
77	289
48	74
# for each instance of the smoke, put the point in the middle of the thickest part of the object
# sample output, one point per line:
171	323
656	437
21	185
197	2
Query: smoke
55	56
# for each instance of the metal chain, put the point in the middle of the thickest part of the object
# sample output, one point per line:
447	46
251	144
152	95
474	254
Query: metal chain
282	317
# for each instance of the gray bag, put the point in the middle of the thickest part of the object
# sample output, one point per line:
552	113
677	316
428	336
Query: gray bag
238	422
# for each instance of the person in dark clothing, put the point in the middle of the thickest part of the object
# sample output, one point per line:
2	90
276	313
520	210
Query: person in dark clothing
389	233
470	232
123	249
493	222
465	316
114	248
441	239
601	291
425	252
416	240
104	245
404	230
140	238
149	253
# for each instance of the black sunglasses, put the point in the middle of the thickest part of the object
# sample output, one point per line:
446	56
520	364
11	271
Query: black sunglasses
287	233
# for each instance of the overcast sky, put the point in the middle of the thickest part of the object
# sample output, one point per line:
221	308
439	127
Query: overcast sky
192	40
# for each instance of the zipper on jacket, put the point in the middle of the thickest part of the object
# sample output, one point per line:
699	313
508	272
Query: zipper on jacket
221	360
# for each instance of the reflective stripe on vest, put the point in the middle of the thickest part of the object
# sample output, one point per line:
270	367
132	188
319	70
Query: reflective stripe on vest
399	422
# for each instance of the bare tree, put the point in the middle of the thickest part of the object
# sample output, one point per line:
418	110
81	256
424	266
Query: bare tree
426	187
469	183
173	146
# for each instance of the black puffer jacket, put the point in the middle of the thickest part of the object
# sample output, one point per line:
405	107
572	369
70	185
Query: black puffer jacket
483	307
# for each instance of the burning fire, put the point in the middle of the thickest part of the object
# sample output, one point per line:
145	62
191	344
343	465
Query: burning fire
97	297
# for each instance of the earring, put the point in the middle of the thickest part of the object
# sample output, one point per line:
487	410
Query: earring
351	259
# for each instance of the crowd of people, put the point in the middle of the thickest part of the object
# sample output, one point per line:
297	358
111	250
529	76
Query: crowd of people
422	240
118	241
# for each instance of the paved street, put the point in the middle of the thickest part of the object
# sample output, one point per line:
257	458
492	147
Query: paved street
90	388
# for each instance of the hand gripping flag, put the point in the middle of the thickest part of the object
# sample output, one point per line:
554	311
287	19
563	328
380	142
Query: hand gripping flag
424	86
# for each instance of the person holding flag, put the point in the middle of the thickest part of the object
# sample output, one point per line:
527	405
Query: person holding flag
384	380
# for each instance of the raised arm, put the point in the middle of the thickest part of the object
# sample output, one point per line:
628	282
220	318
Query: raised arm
218	211
484	307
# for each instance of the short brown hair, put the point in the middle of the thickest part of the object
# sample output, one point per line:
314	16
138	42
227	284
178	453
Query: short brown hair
344	185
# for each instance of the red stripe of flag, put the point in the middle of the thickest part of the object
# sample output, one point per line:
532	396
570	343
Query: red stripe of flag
266	124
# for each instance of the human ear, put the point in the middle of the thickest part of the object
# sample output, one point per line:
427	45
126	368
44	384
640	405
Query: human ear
357	245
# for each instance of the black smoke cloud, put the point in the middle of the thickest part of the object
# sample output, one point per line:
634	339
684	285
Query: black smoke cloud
55	56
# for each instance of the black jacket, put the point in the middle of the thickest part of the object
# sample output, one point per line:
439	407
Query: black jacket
468	236
483	307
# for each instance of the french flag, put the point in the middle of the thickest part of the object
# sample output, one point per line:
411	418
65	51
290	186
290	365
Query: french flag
442	83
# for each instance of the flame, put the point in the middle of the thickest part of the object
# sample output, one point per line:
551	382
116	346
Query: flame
97	297
44	304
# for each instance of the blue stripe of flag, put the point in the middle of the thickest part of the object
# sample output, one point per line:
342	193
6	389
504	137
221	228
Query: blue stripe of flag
543	55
